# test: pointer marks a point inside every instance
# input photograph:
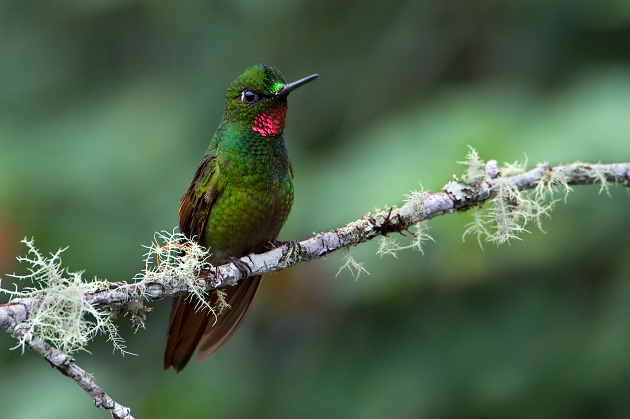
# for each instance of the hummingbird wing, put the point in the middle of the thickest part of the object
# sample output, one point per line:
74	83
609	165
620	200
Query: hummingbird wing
186	324
195	205
189	326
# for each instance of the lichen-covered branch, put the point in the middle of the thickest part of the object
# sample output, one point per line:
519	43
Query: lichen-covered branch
512	197
13	319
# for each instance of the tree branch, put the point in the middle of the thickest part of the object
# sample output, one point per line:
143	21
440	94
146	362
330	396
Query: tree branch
483	183
12	317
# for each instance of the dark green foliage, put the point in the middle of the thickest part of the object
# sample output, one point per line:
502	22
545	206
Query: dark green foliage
105	108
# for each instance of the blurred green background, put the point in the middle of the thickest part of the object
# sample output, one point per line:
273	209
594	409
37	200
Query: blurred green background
106	108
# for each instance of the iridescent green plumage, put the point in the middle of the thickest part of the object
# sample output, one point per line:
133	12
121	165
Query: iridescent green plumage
238	201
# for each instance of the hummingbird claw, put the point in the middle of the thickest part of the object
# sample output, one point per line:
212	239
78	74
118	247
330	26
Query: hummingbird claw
242	267
292	245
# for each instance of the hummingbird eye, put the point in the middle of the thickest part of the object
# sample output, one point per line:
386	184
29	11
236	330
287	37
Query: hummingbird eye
249	96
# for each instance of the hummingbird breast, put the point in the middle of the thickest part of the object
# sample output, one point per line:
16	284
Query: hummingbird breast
255	197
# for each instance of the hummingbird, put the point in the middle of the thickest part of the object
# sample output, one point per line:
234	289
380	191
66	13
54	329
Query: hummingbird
237	203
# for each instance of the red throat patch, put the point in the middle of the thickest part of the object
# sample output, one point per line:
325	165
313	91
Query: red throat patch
271	122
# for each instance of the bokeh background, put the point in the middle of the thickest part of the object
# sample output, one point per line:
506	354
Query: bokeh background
106	108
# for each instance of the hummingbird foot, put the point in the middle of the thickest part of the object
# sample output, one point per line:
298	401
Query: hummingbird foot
242	267
292	245
293	248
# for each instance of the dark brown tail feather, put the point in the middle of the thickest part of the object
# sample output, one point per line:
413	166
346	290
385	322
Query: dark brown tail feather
189	328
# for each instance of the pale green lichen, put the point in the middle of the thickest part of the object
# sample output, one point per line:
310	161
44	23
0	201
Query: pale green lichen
390	246
602	177
459	191
68	322
420	237
479	227
64	318
516	168
352	265
415	199
221	304
475	166
550	181
511	210
172	256
293	249
598	173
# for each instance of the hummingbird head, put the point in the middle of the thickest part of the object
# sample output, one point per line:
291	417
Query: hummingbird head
257	99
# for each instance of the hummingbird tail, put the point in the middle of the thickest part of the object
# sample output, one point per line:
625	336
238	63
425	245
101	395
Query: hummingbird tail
190	328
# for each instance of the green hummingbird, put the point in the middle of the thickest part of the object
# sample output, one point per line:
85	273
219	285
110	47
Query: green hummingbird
237	202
